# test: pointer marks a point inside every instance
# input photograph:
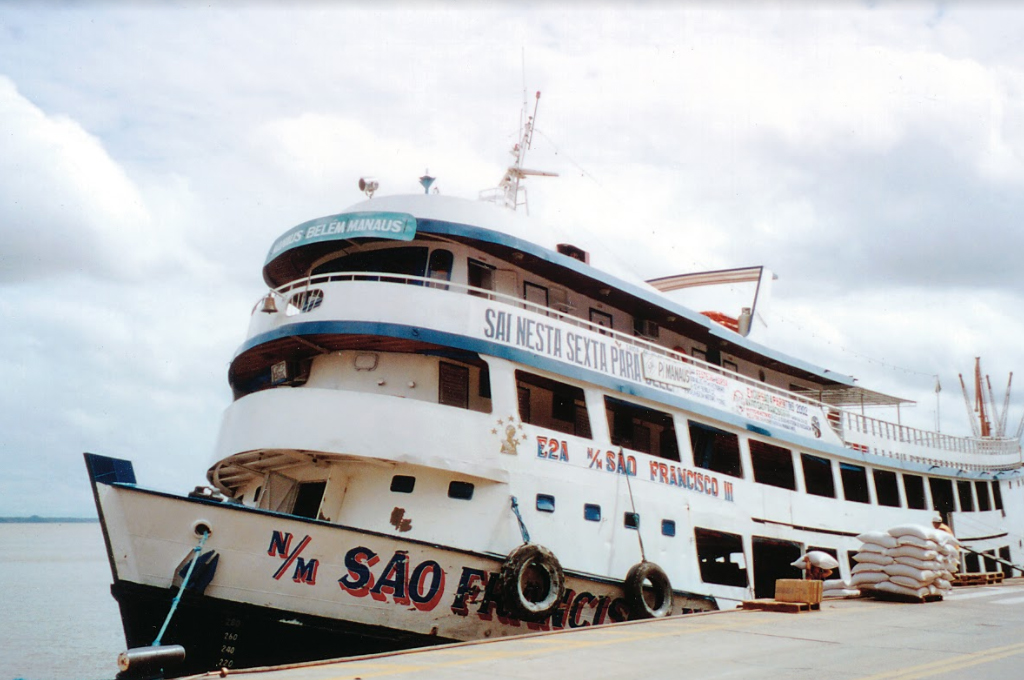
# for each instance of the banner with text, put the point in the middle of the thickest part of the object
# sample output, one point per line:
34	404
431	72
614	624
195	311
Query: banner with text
605	354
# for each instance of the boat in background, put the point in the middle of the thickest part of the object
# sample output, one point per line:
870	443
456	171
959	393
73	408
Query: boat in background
449	425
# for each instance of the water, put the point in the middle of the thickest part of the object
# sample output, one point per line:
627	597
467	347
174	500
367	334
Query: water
58	620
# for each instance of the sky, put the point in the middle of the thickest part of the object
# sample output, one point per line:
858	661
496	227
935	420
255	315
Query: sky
871	154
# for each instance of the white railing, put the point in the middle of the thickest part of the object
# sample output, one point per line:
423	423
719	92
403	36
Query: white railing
846	424
855	423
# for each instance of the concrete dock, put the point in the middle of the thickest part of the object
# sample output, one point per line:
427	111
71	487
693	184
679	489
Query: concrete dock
974	632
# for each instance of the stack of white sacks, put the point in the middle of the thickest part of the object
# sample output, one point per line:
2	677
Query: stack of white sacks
839	588
910	560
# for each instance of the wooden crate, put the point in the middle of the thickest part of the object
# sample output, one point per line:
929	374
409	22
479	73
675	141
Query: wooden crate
796	590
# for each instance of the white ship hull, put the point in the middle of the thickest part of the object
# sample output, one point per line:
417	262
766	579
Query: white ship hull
418	397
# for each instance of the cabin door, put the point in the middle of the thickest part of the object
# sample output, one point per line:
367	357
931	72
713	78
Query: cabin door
772	560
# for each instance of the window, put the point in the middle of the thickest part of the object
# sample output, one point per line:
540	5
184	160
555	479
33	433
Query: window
631	520
984	501
668	527
818	476
720	557
641	428
964	490
645	328
698	354
403	483
439	266
773	465
408	260
887	488
972	565
563	407
715	450
990	564
913	487
855	482
591	512
453	385
523	394
730	366
601	319
545	502
538	295
552	404
307	300
308	499
1004	555
997	495
484	388
460	490
480	275
942	494
773	559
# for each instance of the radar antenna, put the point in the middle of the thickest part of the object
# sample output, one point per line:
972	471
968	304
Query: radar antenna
509	189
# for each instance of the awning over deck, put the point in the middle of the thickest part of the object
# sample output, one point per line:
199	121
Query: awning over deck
852	397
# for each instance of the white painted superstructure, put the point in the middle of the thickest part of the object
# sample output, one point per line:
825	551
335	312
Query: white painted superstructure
431	383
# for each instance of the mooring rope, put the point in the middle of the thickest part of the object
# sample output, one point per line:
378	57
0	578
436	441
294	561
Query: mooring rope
184	584
522	525
636	517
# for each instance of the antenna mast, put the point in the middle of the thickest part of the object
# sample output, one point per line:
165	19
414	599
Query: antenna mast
509	188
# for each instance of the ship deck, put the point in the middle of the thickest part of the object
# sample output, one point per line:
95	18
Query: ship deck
977	630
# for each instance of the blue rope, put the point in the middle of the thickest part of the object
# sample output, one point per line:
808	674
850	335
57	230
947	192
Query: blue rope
181	591
522	526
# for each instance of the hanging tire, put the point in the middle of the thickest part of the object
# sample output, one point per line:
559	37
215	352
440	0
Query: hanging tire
532	582
648	591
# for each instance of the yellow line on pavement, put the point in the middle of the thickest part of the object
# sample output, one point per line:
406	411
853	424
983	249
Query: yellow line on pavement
949	664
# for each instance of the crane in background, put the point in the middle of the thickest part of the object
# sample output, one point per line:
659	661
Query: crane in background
988	420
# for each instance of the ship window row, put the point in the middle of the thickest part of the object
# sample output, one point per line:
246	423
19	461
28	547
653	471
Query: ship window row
819	481
592	513
561	407
456	489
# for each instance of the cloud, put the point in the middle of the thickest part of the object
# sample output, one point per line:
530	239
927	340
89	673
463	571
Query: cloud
66	206
871	156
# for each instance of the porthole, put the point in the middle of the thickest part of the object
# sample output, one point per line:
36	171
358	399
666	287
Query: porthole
403	483
631	520
460	490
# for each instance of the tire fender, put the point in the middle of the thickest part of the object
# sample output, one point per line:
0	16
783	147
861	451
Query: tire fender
531	583
658	591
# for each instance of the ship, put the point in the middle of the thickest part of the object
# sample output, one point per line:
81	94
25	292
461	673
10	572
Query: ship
448	424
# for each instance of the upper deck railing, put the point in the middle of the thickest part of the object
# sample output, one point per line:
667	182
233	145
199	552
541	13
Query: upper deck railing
858	432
